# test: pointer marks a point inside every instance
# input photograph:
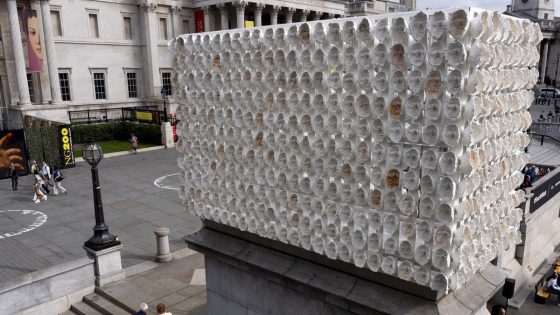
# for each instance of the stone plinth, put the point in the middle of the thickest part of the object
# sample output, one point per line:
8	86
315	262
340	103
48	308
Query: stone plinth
246	278
108	266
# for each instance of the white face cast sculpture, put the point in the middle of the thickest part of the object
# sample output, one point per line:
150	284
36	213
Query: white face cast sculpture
380	82
417	54
398	59
416	81
378	107
399	32
398	81
456	54
458	24
319	33
414	132
437	24
434	83
381	29
413	107
418	26
452	109
436	54
380	55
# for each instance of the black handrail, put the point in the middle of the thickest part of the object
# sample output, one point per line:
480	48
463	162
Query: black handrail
542	137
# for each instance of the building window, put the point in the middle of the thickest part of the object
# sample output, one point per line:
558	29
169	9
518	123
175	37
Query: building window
163	28
186	27
166	83
55	21
64	78
93	26
99	85
127	22
31	86
132	86
546	16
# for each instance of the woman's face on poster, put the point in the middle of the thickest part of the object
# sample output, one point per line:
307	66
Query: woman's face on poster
34	37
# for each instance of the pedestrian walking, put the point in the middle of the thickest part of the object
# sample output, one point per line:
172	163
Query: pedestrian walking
58	178
46	172
14	175
161	309
143	309
37	183
133	142
34	167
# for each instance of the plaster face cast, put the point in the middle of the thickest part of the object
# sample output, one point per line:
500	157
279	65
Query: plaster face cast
436	54
398	57
419	26
434	83
417	54
437	24
416	81
380	55
395	107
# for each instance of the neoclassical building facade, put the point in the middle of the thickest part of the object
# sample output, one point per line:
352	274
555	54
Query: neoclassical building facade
113	53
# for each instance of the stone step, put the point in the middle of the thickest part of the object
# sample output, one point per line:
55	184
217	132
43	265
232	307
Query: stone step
104	305
68	312
81	308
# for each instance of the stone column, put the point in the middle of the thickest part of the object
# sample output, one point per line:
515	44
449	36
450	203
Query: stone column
290	15
317	16
331	15
240	9
51	52
206	10
176	21
274	15
152	37
258	14
544	60
19	60
304	15
224	18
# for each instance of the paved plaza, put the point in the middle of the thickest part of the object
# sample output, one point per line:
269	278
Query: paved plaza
35	236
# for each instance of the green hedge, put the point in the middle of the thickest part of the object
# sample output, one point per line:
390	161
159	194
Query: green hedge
43	144
146	133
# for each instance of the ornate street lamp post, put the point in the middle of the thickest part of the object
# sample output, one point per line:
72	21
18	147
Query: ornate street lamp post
101	239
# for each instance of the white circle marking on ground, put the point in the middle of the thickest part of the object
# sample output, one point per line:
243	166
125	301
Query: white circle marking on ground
160	182
40	219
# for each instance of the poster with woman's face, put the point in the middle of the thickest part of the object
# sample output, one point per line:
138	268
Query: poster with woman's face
31	25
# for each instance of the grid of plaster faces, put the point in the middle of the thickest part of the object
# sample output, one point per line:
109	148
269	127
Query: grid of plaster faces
314	155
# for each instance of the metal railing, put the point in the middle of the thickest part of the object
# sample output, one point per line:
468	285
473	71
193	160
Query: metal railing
557	141
547	101
90	116
546	128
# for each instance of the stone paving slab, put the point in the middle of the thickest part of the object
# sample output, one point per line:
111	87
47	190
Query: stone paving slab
168	283
133	208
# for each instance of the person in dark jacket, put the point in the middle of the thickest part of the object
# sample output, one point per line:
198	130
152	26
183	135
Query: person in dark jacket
14	175
143	309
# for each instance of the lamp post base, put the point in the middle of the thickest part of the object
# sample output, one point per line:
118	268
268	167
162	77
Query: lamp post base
96	245
108	266
101	238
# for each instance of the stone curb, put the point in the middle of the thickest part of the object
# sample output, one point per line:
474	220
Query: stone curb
34	276
122	153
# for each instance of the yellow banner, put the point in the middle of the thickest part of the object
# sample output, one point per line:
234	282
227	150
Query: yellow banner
249	24
144	116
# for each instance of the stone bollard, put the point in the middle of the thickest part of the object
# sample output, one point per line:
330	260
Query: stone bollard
162	236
